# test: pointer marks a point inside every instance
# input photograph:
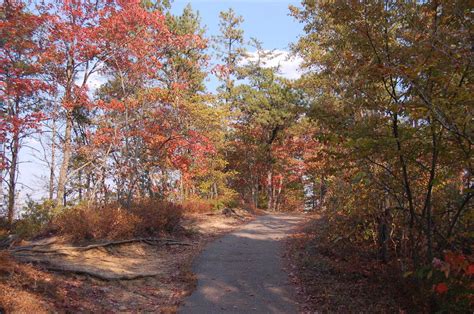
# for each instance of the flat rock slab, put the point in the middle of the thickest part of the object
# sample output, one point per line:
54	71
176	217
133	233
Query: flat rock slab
121	262
242	272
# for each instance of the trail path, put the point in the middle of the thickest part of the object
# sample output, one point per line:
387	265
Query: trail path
242	272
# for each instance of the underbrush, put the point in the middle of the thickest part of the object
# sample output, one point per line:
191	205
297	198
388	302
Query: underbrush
329	253
83	222
443	283
448	281
336	276
199	206
3	229
142	219
250	208
36	216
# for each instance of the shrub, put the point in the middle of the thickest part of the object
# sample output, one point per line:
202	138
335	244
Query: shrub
4	231
35	217
197	205
450	280
92	223
112	221
157	216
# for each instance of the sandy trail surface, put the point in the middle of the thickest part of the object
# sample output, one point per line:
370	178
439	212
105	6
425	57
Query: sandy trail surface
242	272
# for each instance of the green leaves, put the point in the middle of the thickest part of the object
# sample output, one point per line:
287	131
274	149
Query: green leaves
388	85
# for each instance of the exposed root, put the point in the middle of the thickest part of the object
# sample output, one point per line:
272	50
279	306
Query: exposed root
149	241
95	274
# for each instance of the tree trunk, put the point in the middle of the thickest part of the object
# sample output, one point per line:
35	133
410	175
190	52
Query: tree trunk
427	207
2	160
406	185
384	230
79	178
216	193
15	146
181	188
65	163
277	196
322	191
105	191
256	192
53	158
270	190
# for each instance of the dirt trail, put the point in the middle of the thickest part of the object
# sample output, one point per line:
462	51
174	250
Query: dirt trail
25	288
242	272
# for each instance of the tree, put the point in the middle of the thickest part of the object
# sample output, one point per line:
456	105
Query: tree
230	49
21	88
150	127
73	54
126	39
264	109
388	82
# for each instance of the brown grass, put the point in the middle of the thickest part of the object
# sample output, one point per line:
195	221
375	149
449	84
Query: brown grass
198	206
251	209
144	218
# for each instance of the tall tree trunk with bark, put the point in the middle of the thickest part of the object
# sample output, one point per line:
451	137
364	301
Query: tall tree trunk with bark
427	208
407	188
53	161
66	157
15	147
270	190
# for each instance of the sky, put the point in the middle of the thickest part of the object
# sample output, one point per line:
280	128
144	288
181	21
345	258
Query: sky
266	20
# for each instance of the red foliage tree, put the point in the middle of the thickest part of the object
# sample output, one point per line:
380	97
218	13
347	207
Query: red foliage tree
20	87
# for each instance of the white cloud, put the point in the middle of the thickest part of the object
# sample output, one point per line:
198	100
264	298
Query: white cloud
289	65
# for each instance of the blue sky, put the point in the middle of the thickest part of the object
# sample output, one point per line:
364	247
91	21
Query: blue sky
266	20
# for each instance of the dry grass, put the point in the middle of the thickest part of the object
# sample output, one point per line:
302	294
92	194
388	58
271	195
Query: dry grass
144	218
209	225
198	206
251	209
17	301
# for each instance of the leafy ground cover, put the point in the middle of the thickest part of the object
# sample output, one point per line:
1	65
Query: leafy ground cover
337	277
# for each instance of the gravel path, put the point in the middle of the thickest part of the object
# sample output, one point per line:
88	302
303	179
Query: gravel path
242	272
